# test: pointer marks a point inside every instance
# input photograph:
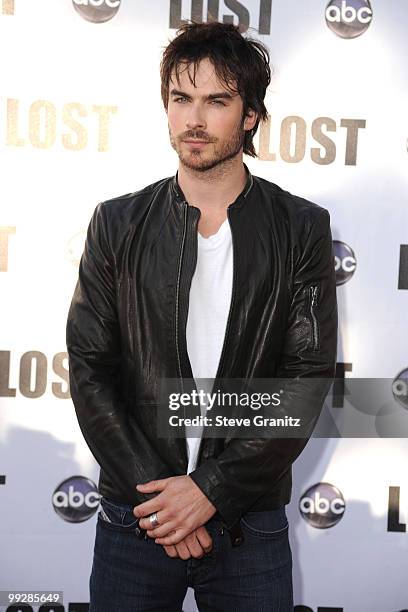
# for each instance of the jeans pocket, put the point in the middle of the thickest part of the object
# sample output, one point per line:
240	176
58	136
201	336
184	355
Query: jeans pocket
117	516
266	523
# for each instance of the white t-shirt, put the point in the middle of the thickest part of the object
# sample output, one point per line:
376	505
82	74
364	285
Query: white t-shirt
209	304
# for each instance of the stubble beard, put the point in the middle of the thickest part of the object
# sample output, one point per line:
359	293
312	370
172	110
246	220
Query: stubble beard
198	160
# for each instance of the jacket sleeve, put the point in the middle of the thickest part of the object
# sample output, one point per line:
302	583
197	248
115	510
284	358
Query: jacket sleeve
247	468
94	351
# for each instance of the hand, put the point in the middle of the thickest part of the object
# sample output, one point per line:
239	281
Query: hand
196	544
181	507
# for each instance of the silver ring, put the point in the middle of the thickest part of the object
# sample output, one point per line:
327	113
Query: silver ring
153	520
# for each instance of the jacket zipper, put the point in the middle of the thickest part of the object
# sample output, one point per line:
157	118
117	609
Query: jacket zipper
314	292
178	292
131	297
127	310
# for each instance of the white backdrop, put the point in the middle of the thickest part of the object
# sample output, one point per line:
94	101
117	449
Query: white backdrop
82	121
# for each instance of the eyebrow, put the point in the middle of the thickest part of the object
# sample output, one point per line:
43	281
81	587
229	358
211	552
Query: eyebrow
221	94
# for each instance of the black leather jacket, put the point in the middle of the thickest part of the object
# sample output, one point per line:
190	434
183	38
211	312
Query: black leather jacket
126	329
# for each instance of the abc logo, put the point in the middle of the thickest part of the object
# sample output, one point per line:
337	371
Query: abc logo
344	262
76	499
322	505
97	11
400	388
348	18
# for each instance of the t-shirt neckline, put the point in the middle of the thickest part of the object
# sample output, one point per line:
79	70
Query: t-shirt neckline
215	237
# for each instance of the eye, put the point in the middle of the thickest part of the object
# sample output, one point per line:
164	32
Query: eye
180	98
218	102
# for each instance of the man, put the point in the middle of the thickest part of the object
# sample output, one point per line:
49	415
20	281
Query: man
211	273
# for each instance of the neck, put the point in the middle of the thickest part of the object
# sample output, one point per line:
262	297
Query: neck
213	189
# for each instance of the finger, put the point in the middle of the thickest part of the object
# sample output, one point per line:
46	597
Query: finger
162	517
153	485
171	551
173	538
183	551
148	507
204	538
194	546
162	531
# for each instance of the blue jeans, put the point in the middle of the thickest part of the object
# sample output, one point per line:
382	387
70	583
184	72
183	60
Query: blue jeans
130	574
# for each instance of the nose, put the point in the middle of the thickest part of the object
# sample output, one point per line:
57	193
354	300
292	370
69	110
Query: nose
196	119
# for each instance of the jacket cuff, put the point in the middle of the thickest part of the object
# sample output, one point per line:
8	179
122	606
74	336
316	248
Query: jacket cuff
209	478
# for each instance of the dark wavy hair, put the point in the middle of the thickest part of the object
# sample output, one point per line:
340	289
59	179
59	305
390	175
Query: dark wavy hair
235	58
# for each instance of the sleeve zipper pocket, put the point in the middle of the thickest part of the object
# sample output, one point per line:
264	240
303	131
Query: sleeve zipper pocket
313	304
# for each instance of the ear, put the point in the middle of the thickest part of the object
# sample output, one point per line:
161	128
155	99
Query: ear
250	119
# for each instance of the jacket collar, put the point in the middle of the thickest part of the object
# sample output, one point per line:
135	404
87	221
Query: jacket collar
180	198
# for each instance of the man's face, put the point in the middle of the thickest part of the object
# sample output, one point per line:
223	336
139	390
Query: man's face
205	121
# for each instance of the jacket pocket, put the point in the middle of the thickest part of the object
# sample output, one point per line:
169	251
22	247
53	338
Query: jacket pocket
313	305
